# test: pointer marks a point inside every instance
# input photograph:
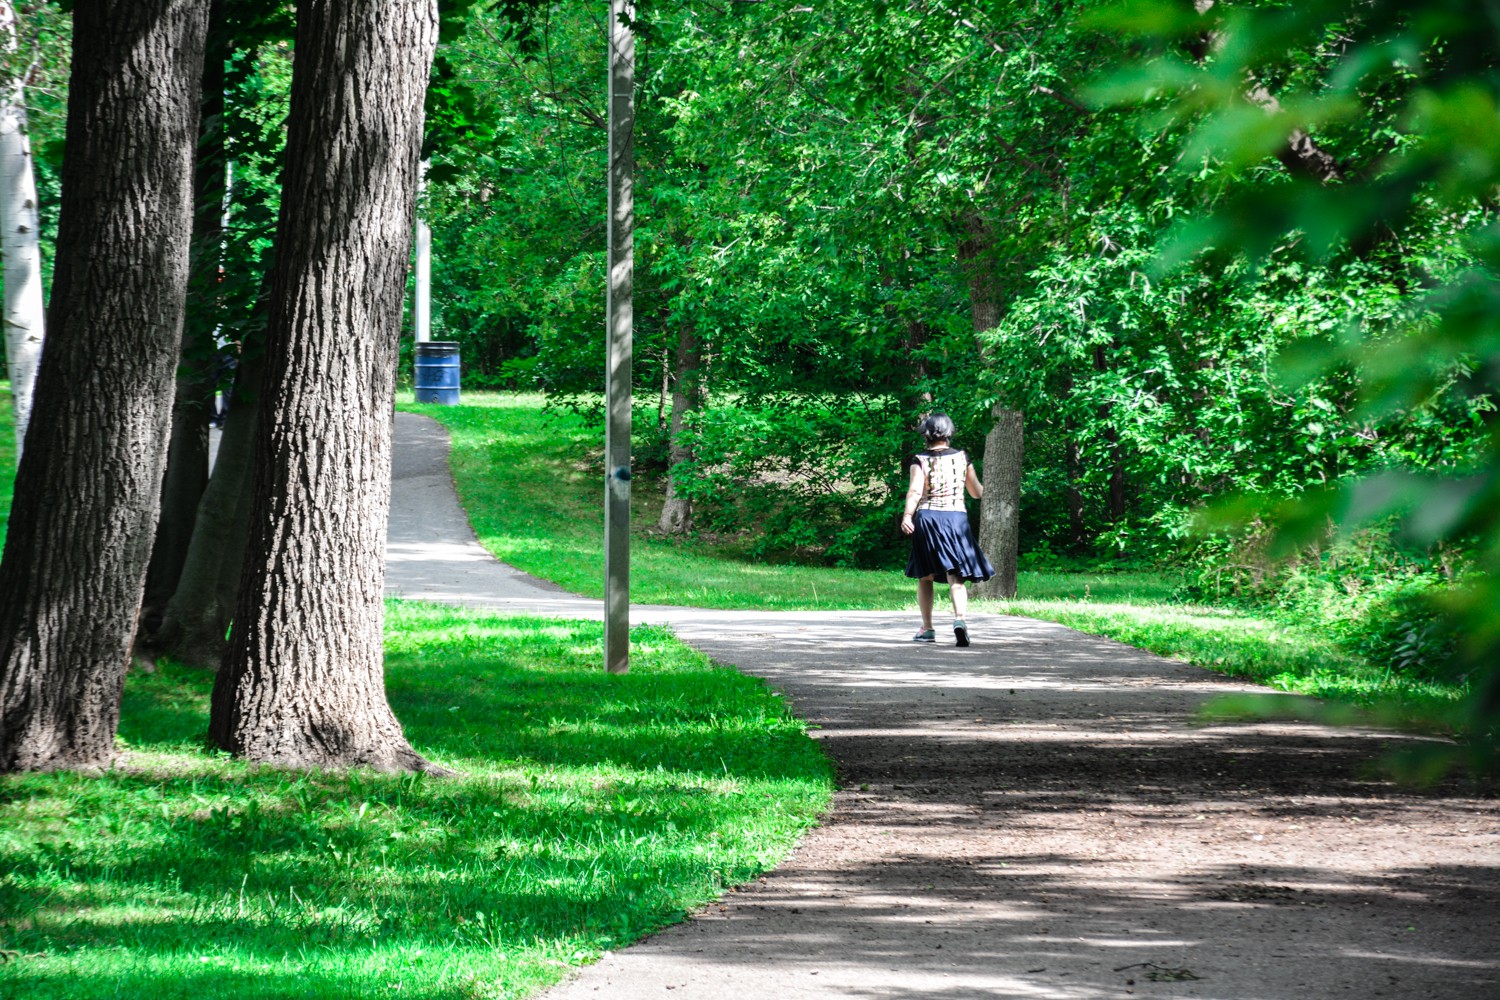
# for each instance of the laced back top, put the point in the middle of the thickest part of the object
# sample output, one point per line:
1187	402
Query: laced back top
944	470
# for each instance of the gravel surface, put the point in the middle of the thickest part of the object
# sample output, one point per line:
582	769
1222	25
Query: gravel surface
1038	815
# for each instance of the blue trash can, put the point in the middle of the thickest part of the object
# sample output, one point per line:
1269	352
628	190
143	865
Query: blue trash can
435	364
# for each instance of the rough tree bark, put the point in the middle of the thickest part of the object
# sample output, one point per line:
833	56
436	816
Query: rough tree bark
677	512
88	486
19	237
302	682
1004	446
187	453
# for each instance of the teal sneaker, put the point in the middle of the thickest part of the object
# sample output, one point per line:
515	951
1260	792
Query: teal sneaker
961	632
926	635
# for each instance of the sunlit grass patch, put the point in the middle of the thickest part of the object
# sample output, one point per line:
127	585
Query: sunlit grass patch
588	809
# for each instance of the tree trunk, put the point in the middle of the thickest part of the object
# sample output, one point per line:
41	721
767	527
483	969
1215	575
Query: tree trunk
87	489
199	612
664	397
1116	477
677	512
1000	508
19	231
302	682
1004	446
187	453
1112	438
1073	469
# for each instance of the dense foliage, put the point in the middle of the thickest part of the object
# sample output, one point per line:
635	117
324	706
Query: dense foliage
822	193
1413	572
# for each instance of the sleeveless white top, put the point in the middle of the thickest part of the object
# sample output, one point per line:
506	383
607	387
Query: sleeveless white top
944	471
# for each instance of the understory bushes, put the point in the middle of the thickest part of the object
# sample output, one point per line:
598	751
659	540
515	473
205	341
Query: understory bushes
806	478
1365	591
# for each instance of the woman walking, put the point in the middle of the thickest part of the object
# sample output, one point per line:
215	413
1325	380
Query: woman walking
942	542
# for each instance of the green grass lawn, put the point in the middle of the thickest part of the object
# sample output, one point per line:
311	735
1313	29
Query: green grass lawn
589	809
531	485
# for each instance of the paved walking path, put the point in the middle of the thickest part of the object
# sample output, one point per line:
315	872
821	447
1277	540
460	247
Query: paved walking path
1036	816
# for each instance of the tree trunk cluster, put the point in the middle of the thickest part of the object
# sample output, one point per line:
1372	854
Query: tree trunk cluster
284	545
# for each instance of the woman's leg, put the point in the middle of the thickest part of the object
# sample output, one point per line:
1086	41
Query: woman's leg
959	594
924	601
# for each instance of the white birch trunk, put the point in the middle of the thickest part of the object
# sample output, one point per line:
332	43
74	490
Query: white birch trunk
18	240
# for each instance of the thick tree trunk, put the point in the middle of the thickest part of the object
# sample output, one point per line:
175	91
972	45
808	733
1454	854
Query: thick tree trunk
302	682
677	512
88	487
19	232
199	612
187	454
1004	446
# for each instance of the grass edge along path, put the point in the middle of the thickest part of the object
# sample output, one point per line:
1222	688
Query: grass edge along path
525	480
588	810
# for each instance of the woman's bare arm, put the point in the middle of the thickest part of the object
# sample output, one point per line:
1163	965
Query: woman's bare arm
914	492
971	480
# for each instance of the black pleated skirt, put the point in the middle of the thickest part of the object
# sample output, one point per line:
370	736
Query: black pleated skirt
944	543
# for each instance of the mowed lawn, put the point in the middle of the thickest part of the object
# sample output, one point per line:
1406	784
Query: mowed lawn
588	809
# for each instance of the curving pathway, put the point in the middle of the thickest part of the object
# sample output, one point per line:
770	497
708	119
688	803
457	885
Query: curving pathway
1036	816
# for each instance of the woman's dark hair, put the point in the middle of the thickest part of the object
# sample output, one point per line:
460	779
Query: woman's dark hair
936	427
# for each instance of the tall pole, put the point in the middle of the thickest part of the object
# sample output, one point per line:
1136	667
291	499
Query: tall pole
422	308
619	335
422	311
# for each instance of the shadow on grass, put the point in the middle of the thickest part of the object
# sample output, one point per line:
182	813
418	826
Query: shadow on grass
588	810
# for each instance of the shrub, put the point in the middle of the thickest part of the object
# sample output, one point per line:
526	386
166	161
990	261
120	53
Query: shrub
1365	591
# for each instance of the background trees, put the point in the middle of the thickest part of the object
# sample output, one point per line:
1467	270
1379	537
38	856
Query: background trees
861	216
1117	232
